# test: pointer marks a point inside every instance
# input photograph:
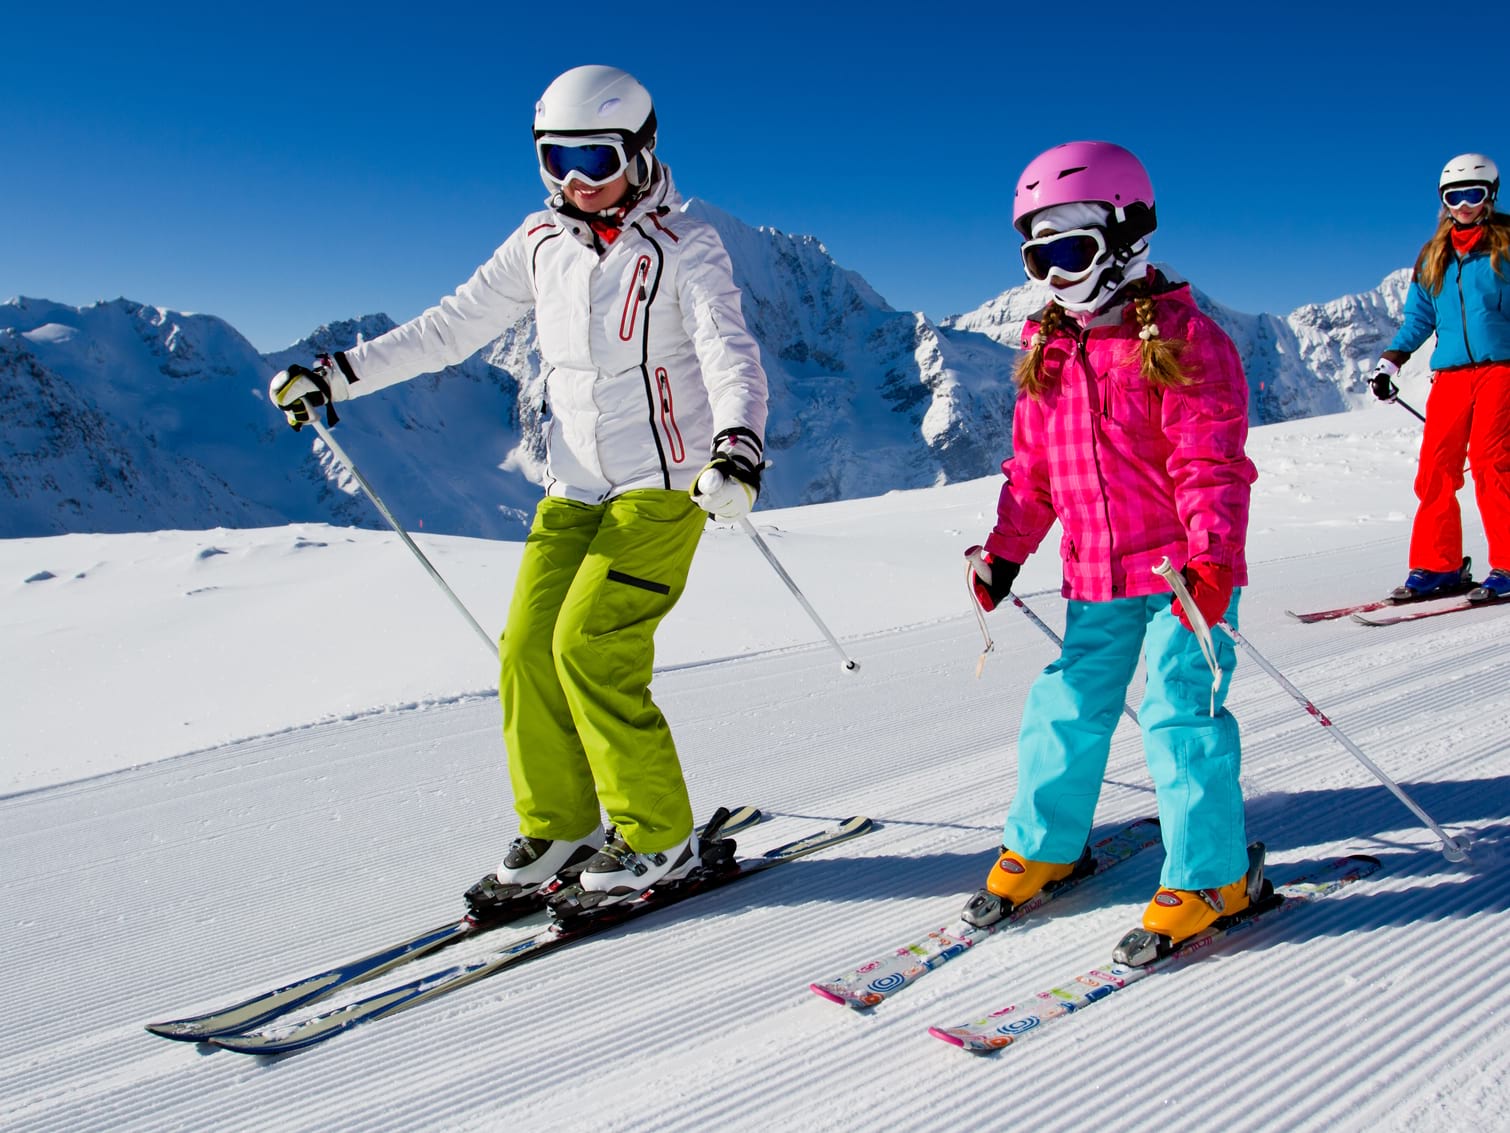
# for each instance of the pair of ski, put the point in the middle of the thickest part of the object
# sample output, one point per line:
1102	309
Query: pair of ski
872	983
264	1024
1361	613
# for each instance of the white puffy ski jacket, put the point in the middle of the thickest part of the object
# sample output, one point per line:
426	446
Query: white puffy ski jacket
645	350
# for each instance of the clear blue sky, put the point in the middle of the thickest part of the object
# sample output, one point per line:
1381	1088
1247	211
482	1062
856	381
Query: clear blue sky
284	165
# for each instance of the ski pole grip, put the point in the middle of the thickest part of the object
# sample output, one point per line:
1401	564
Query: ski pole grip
1202	631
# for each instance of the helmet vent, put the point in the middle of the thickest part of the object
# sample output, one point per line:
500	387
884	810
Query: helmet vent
608	107
1063	173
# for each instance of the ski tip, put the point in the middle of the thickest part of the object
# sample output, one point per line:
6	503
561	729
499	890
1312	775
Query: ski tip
824	993
951	1039
175	1031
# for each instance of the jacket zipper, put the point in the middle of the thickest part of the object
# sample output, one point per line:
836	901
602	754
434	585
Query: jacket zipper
1106	507
632	301
668	416
1463	314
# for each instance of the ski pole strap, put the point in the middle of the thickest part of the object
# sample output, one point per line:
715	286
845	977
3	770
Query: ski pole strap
980	618
1197	623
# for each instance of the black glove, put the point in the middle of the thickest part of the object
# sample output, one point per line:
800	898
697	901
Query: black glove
991	578
1383	380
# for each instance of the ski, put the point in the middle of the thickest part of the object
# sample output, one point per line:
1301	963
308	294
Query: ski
1356	612
1453	591
876	981
260	1009
1012	1024
291	1035
1417	615
1340	611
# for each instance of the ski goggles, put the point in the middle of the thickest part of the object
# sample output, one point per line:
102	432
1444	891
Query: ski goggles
1071	256
594	161
1465	196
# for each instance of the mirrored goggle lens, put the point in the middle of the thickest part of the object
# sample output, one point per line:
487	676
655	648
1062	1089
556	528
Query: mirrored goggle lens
594	162
1469	195
1071	254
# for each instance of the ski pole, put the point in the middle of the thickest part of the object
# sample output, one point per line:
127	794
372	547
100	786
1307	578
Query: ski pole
1453	849
340	455
1027	612
770	557
1407	407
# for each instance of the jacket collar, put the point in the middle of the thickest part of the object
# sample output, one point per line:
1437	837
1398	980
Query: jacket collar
661	195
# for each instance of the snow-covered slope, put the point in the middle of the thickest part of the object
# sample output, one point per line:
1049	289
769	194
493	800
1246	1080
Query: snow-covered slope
373	793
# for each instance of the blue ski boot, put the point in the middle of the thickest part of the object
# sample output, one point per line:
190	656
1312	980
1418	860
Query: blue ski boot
1421	585
1494	588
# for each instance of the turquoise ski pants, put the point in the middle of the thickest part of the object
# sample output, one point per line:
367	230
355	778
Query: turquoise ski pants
576	658
1194	756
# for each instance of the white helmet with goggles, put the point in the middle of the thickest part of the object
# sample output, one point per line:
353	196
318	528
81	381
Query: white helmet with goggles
594	124
1470	169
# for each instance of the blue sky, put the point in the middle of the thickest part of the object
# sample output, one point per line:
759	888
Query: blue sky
284	165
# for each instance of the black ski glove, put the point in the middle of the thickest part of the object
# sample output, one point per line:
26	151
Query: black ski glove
1383	380
991	578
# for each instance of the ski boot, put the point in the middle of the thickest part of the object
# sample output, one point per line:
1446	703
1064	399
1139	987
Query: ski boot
613	878
1494	588
616	875
1175	916
1421	585
532	869
1015	879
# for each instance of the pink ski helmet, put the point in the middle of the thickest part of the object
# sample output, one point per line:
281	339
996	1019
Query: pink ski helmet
1088	171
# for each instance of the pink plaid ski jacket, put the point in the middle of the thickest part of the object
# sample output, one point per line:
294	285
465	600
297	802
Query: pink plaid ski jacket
1132	472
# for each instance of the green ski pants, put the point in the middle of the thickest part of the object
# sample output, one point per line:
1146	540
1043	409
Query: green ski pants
577	655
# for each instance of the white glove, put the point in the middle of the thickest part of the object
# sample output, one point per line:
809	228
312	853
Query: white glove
729	484
298	389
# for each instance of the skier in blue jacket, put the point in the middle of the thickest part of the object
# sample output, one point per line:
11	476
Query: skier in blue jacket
1460	293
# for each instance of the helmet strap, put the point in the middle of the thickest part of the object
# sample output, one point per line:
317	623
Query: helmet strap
1127	227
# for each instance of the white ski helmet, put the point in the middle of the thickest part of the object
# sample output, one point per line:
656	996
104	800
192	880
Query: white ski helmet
1471	169
592	124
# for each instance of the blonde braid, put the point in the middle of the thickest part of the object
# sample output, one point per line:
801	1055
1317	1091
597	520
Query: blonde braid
1029	372
1160	357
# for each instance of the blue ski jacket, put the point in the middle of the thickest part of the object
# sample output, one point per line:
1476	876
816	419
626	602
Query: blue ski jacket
1470	315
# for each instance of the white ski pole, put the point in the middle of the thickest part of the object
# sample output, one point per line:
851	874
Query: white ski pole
770	557
340	455
1453	849
1127	709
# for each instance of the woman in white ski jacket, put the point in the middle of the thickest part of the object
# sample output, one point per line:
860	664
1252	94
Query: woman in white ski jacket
649	372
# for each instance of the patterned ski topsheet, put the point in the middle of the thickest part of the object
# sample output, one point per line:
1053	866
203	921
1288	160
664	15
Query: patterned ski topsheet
1012	1024
874	982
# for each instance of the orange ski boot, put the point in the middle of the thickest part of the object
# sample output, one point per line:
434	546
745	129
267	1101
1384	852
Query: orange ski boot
1015	879
1176	915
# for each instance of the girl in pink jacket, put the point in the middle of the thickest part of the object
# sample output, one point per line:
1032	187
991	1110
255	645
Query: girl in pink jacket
1131	418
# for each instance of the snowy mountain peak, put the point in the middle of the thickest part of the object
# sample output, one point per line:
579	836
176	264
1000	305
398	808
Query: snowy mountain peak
135	417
